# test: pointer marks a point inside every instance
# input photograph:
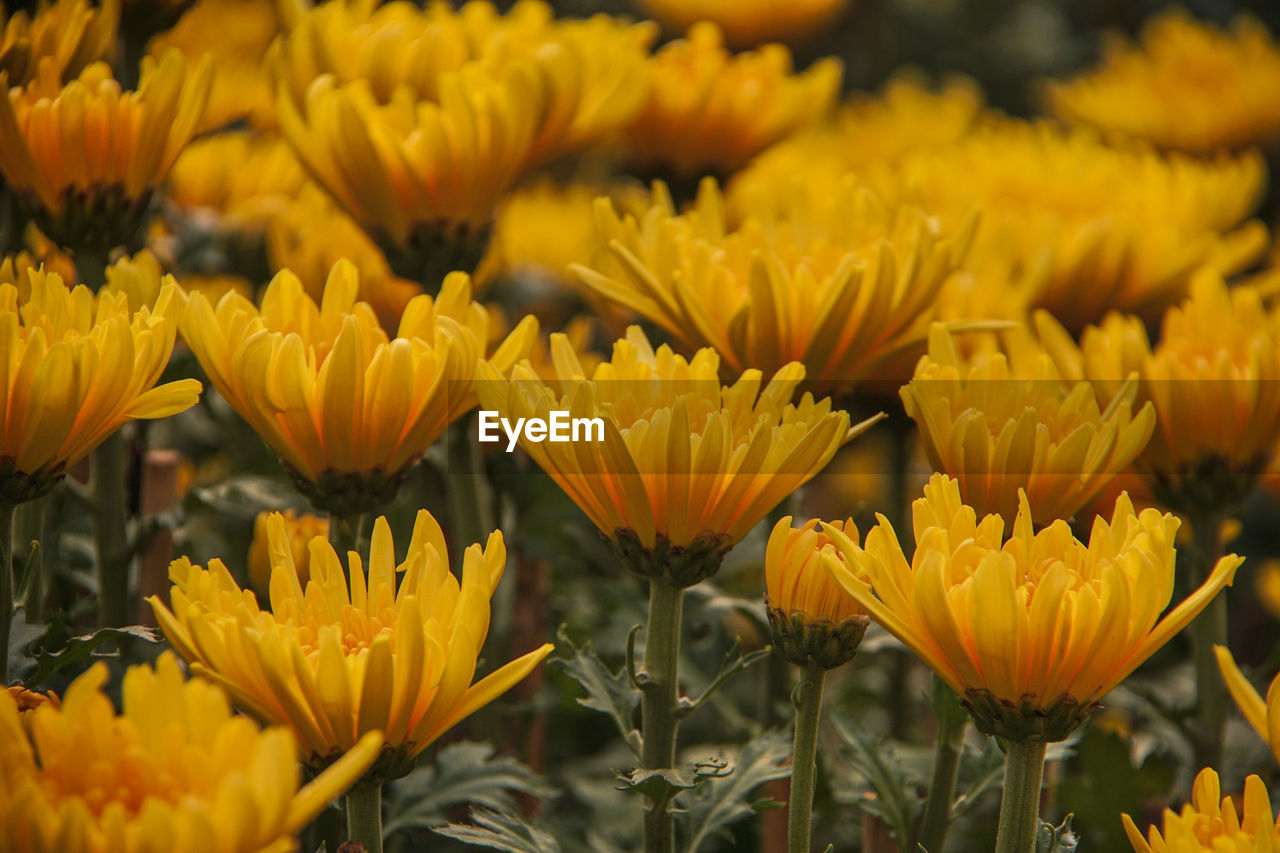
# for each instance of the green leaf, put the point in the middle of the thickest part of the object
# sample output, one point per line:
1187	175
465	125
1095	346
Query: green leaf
21	635
663	783
986	774
607	691
708	812
1056	839
81	648
463	773
501	831
895	803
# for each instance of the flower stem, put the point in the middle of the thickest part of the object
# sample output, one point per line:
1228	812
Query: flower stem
658	709
364	815
1020	803
467	492
1208	629
344	533
948	747
6	589
108	482
807	699
30	528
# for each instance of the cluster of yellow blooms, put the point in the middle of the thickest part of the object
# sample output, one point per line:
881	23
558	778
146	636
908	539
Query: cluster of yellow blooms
1002	275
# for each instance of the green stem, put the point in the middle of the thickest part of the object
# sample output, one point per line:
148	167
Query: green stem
6	589
948	747
344	534
1020	803
467	499
364	815
108	482
807	699
1208	629
658	708
31	528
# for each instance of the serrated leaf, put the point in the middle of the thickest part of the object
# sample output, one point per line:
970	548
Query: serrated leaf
607	691
662	783
1056	839
895	803
708	811
81	648
501	831
733	663
463	773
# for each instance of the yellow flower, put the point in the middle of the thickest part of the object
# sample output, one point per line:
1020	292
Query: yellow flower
1266	587
1214	378
676	464
307	235
236	33
176	771
811	618
746	23
593	68
422	178
1006	422
712	111
245	179
1189	87
334	662
61	40
27	701
299	530
80	366
1210	822
1081	228
347	408
839	288
85	157
1264	717
1034	630
868	130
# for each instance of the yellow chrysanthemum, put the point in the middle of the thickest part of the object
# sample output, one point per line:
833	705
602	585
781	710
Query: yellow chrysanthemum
712	111
237	34
422	178
1081	228
63	38
308	235
1034	630
593	68
1210	822
80	366
1264	717
677	462
298	531
1214	378
243	178
907	115
347	408
1005	422
747	23
175	771
811	618
839	288
1189	87
86	157
335	661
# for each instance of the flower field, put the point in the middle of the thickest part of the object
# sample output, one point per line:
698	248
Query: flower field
670	426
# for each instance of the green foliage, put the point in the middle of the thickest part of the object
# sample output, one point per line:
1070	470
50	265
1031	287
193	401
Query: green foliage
706	813
51	656
610	692
896	802
501	831
465	773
